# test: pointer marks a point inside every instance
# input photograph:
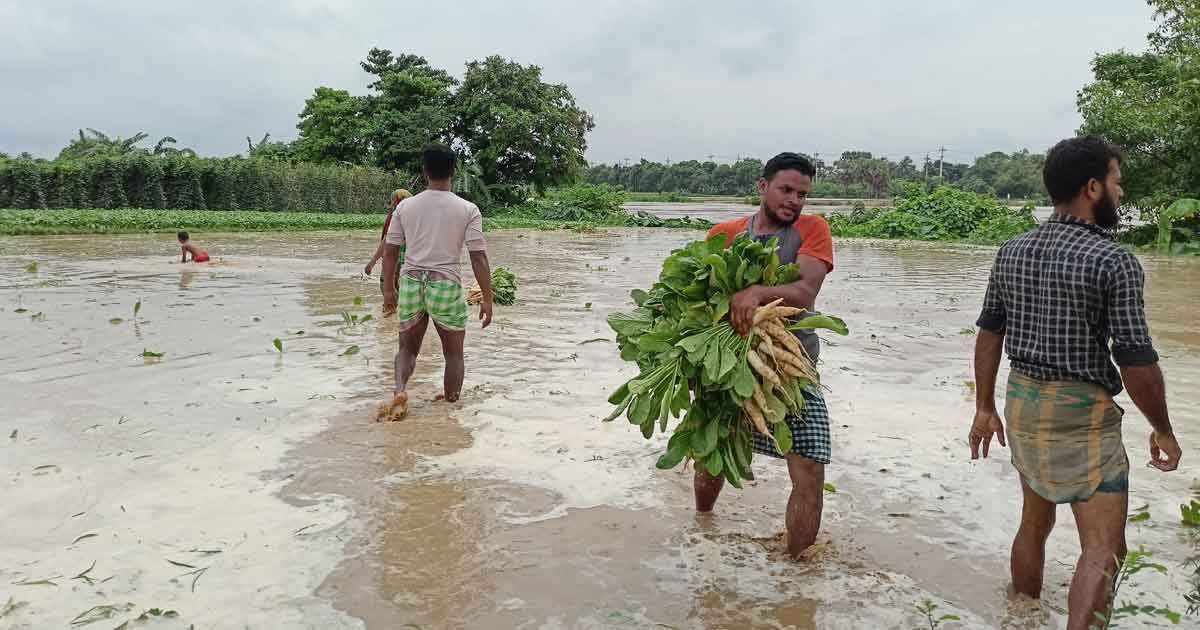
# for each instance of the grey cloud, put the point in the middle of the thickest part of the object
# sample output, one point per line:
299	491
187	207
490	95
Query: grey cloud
669	79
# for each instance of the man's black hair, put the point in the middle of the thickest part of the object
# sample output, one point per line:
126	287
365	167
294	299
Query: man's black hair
1072	163
183	236
438	161
788	161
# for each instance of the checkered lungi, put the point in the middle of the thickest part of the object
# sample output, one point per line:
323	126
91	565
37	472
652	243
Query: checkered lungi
441	299
810	431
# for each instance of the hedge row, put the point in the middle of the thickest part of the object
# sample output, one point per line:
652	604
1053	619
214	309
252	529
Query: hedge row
186	183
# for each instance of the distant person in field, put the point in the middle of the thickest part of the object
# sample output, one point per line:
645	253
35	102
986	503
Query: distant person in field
804	239
1066	301
435	225
399	195
186	246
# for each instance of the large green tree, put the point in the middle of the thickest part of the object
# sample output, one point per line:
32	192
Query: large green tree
333	128
517	128
411	107
1149	104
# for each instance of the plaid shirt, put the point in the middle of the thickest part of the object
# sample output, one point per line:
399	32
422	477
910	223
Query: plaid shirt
1059	294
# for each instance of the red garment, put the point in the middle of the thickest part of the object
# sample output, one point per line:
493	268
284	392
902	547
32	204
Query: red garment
816	238
201	256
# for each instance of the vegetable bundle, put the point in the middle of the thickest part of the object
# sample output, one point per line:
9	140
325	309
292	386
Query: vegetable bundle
504	289
693	364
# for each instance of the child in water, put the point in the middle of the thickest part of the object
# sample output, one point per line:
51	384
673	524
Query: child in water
198	255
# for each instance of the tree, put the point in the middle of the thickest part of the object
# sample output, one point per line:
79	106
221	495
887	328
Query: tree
411	110
99	144
517	128
333	128
1149	104
265	149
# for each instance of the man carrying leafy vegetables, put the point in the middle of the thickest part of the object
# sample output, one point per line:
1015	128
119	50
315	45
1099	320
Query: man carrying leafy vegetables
804	240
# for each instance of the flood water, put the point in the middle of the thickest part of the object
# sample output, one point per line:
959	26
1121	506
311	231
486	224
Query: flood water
245	487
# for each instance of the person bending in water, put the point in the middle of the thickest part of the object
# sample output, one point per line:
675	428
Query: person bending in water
398	196
1056	298
435	225
804	239
198	255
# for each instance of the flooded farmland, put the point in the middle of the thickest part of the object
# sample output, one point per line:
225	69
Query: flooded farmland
243	486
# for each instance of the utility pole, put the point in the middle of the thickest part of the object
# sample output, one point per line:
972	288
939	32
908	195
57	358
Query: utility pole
926	167
942	162
816	165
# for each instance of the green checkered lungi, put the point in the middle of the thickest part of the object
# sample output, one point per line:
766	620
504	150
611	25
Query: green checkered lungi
441	299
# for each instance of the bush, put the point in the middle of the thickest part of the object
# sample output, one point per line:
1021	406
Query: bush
999	229
943	214
190	183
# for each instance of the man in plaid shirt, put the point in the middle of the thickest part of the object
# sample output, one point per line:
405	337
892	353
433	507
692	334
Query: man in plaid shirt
1057	297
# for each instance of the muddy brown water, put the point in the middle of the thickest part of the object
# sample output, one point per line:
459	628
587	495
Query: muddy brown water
515	508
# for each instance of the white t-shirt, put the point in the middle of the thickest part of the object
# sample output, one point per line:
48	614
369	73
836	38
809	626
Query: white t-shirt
435	225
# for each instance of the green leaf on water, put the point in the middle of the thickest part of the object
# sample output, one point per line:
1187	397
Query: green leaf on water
31	267
146	354
358	301
366	318
830	488
99	613
278	343
21	310
587	306
351	351
84	537
116	321
137	308
11	607
180	564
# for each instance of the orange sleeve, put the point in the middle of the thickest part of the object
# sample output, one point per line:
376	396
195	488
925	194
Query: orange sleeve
816	239
730	229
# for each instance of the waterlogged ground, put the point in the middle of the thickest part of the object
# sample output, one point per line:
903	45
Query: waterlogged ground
246	488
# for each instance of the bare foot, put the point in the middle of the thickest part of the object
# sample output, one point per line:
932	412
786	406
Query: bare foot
446	397
394	411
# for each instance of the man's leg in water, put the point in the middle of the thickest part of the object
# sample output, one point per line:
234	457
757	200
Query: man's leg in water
1101	523
707	488
410	347
1029	547
452	351
805	503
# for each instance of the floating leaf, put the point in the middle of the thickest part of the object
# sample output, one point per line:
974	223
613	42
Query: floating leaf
43	582
278	343
351	351
84	537
181	564
830	488
146	354
11	607
137	308
21	310
31	267
99	613
116	321
358	301
366	318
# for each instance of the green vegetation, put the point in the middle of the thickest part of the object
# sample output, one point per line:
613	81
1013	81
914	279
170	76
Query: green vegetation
854	175
189	183
944	214
691	362
1148	104
516	129
127	221
1135	562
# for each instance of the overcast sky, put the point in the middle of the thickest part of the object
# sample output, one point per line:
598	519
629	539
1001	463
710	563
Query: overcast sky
667	79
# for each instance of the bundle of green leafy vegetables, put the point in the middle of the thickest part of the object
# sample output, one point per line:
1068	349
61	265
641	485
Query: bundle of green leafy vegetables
504	287
693	364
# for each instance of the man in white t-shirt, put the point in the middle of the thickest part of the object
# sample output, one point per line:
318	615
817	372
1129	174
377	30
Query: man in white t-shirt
434	226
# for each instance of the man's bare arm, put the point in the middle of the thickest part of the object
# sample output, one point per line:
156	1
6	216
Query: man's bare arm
483	277
391	258
989	349
800	294
1148	391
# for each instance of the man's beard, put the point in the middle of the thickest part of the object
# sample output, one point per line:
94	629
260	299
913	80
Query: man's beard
1107	214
